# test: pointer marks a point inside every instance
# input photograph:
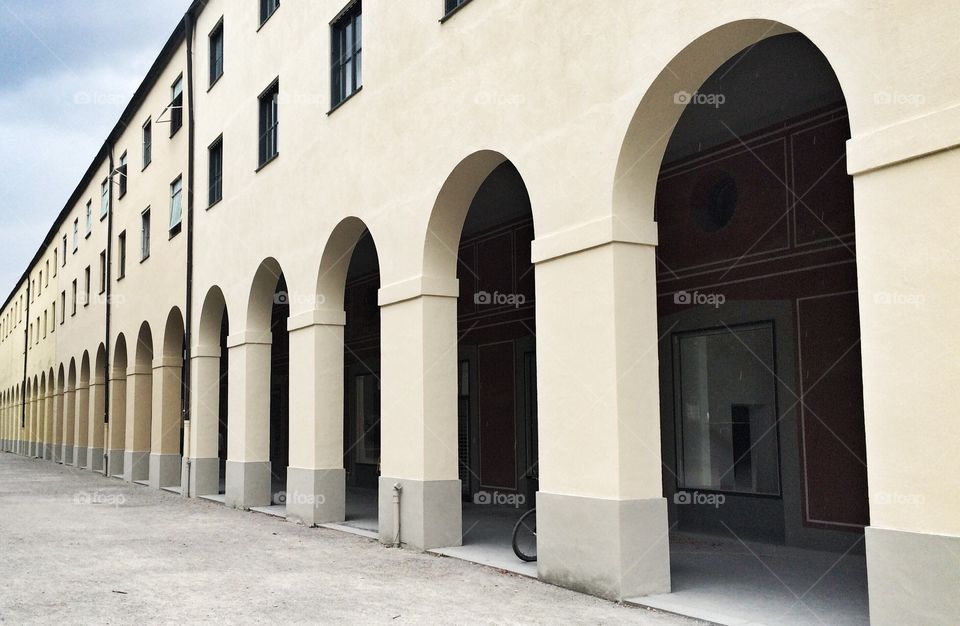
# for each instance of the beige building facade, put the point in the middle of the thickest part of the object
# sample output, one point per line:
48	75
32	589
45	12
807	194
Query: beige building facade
144	339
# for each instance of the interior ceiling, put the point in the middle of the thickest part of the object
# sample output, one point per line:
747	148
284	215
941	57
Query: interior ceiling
777	79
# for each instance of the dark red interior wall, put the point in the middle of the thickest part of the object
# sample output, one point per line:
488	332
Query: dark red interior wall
791	237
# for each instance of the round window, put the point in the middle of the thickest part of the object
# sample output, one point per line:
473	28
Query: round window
715	202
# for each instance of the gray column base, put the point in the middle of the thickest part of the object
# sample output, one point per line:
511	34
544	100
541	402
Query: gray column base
67	454
95	459
136	465
614	549
204	479
316	496
913	578
248	484
115	462
79	456
164	470
430	513
48	452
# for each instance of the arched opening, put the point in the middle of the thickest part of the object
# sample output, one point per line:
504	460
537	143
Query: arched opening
58	416
481	232
209	397
39	419
166	440
761	401
279	392
97	443
350	280
258	448
117	410
136	461
70	414
83	414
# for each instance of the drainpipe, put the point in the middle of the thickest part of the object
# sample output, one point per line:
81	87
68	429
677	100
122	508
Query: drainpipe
188	301
108	305
26	348
397	488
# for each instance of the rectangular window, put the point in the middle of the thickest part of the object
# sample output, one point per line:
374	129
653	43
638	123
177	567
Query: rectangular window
76	234
121	183
86	285
103	271
89	224
40	283
726	410
63	306
215	174
73	305
47	265
53	317
176	106
55	252
346	75
269	121
145	234
122	255
64	262
267	8
216	53
176	205
147	142
46	323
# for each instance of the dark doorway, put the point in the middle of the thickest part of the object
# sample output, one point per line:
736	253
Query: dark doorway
222	402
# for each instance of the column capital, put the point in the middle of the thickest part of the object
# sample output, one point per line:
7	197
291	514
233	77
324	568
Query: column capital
205	352
316	317
416	287
167	361
249	337
606	230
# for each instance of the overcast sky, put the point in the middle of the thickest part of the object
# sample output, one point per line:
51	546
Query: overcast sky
67	70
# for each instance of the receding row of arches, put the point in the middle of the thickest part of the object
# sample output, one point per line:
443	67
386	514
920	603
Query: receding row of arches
667	368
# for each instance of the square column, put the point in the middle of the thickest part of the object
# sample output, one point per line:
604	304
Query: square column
248	433
316	491
118	422
136	451
602	520
69	425
81	427
166	422
48	408
95	427
418	322
204	469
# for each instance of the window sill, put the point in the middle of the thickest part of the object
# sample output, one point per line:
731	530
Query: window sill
87	236
215	81
214	203
176	130
121	195
173	232
144	258
267	19
345	100
146	165
454	11
267	162
119	278
103	217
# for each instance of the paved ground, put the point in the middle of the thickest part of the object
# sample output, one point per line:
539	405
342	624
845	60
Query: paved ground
79	548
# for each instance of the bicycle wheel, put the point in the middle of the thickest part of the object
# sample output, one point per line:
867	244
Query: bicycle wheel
525	536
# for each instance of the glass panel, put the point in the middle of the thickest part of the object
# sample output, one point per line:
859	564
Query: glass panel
726	411
367	392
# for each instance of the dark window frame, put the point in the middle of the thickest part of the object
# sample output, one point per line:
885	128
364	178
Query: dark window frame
215	41
267	9
122	254
176	106
346	54
451	7
174	229
268	104
215	177
145	228
147	142
121	185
